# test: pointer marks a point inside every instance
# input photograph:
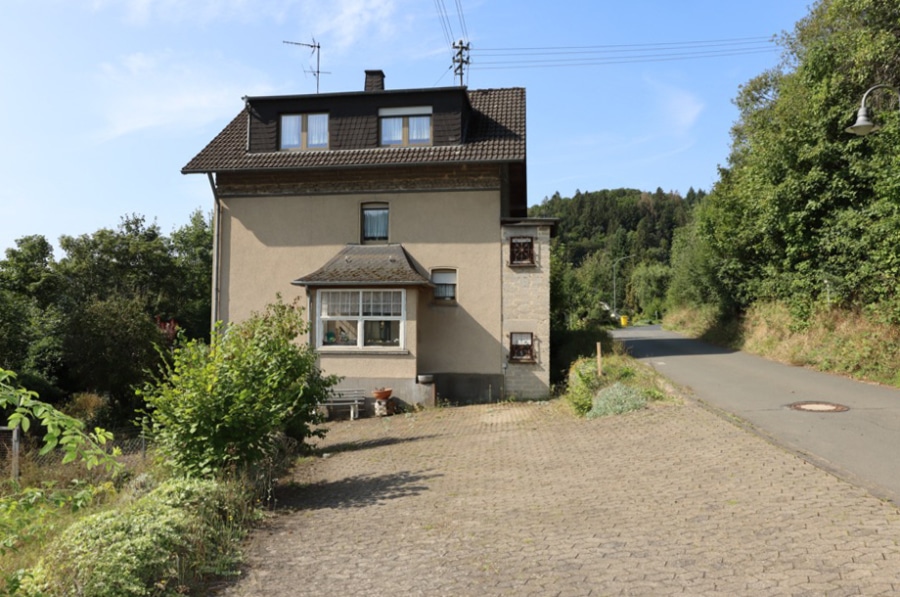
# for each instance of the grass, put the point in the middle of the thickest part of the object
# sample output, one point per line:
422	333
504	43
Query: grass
50	514
624	385
852	343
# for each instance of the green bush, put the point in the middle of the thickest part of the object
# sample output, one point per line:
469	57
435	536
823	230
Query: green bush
161	544
221	408
583	384
616	400
624	386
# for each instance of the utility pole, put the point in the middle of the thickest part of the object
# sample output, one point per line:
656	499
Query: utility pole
460	59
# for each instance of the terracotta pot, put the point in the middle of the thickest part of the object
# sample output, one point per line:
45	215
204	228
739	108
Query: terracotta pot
381	394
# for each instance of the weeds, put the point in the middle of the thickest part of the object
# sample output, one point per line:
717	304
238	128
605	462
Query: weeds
624	386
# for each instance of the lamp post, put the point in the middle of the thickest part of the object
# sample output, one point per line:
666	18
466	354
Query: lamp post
616	265
864	125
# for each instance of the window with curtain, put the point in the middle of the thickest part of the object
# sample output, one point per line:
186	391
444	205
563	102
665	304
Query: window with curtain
444	281
405	126
361	318
521	347
375	220
304	131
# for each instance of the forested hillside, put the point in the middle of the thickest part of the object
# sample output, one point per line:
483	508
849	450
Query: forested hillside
622	232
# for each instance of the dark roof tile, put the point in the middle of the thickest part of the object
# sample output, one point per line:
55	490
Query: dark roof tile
366	265
496	132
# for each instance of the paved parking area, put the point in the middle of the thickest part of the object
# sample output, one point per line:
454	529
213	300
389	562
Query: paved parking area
524	499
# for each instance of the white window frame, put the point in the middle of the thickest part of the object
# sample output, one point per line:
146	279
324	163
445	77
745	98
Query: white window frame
360	318
302	136
518	339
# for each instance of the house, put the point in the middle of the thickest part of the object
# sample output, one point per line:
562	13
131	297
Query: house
400	219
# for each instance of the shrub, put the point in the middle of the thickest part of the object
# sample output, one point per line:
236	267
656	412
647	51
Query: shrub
583	384
160	544
616	400
221	407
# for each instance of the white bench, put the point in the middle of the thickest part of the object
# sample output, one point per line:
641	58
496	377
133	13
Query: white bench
352	398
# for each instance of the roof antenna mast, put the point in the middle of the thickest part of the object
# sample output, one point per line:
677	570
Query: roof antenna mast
316	49
460	59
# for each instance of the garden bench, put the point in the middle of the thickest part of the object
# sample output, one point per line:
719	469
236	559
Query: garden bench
352	398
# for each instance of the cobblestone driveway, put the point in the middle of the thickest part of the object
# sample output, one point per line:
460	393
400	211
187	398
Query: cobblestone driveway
523	499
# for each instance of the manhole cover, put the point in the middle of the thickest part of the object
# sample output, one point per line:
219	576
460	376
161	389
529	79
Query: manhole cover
819	407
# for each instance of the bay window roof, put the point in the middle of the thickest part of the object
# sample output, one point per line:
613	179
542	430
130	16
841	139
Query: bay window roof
366	265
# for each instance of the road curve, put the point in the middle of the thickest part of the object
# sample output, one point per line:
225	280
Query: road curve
861	444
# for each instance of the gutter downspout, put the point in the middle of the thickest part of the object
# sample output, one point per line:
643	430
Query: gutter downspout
217	231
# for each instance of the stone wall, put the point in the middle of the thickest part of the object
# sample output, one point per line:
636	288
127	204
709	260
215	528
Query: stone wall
526	308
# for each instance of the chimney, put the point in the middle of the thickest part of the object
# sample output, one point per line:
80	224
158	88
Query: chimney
374	80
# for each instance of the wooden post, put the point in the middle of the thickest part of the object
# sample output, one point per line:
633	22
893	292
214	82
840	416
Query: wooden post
599	361
15	454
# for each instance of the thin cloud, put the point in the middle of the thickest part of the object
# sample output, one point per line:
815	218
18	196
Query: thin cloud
680	108
144	91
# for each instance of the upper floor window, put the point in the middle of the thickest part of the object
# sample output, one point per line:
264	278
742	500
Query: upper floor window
444	281
375	219
521	250
405	126
304	131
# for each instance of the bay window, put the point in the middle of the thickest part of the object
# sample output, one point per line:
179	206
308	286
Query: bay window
361	319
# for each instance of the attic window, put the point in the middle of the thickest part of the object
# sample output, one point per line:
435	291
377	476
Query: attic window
405	126
304	131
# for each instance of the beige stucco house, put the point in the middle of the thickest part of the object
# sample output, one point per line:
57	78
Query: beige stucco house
399	218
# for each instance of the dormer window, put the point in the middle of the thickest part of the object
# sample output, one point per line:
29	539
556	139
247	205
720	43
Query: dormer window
405	126
304	131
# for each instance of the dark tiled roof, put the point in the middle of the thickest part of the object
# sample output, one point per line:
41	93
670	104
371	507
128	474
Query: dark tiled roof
496	132
366	265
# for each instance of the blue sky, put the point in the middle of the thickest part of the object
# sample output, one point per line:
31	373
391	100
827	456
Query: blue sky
106	100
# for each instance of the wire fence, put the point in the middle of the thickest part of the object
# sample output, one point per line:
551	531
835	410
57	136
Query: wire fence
18	453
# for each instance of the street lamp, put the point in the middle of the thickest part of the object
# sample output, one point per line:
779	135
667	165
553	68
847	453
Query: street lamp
615	265
863	125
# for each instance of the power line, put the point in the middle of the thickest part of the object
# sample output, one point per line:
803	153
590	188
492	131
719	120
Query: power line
561	56
462	20
734	40
610	61
445	21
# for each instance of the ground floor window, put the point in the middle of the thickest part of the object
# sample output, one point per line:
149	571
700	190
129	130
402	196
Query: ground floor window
521	347
361	318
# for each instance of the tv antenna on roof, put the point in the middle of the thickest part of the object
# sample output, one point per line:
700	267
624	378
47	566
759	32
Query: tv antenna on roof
315	50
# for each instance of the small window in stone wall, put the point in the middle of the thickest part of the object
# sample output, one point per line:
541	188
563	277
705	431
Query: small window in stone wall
521	347
521	250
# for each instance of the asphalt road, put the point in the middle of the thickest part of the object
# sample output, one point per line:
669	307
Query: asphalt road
861	444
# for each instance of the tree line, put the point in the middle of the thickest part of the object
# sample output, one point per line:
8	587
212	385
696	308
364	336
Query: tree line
94	319
804	213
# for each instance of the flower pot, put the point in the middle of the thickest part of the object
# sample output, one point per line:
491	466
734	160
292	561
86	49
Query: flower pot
382	394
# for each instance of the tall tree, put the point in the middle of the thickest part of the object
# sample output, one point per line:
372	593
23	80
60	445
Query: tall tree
801	201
